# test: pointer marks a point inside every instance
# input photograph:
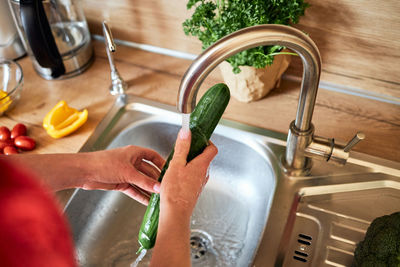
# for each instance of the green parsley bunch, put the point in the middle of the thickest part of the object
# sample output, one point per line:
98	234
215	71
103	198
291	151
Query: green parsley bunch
214	19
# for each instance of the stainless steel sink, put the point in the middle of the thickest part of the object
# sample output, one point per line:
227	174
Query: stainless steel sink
250	213
231	214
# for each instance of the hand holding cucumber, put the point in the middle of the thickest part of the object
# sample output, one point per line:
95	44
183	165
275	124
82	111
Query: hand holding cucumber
122	169
180	189
126	169
184	181
202	123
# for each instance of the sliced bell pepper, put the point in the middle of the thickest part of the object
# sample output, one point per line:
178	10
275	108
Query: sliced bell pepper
5	101
63	120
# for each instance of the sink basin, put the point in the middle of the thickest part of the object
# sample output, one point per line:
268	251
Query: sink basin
225	231
250	213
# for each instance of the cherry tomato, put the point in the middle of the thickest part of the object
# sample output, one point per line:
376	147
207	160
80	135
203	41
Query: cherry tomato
18	130
9	150
24	142
4	133
3	144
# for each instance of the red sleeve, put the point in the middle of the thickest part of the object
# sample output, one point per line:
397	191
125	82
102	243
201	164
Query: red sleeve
33	231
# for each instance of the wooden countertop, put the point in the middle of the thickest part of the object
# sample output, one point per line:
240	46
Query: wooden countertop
157	77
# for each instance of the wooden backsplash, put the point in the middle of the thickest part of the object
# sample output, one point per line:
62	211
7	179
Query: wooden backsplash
359	40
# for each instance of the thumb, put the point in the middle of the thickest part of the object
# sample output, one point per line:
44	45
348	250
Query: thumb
182	146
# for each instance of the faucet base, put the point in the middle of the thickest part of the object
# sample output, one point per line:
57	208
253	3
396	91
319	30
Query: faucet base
296	163
293	172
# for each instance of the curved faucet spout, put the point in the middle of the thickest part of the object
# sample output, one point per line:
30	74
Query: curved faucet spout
261	35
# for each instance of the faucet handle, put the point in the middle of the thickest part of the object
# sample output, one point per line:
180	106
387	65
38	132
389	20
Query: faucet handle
340	154
327	149
355	140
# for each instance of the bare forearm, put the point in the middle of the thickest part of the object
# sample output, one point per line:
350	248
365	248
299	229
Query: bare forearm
57	171
172	244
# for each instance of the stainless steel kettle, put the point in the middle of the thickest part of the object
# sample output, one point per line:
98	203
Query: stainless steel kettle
55	34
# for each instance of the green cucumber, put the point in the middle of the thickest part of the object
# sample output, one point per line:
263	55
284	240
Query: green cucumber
203	121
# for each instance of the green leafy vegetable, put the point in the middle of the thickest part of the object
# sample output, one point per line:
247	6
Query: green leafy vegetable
214	19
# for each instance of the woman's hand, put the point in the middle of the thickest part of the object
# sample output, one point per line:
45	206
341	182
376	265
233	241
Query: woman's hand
184	181
132	170
127	169
180	189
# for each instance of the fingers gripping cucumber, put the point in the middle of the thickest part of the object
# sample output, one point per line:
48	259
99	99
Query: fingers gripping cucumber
203	121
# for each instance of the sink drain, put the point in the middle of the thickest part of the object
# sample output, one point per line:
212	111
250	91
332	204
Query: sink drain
198	247
200	244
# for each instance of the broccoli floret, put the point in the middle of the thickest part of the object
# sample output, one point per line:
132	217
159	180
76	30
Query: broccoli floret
381	246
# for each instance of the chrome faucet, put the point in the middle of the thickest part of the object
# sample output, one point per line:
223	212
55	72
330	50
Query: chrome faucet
118	85
302	145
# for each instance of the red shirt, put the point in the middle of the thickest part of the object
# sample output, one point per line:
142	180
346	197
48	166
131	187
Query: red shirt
33	231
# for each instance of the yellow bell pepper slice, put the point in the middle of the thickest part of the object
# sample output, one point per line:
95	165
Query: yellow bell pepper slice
5	101
63	120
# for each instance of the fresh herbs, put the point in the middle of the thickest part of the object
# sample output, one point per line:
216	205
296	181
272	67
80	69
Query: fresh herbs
213	19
